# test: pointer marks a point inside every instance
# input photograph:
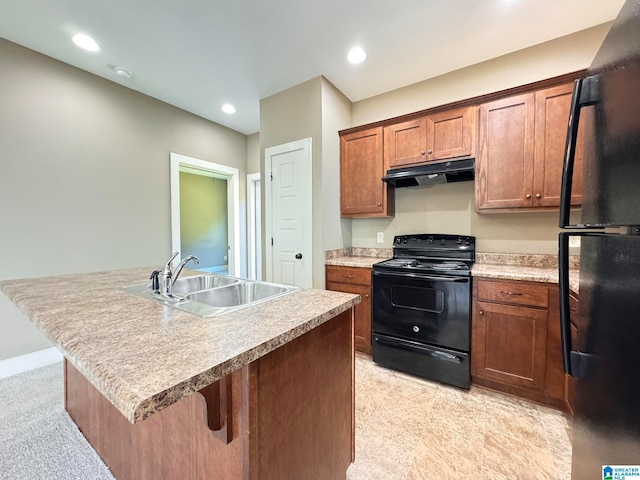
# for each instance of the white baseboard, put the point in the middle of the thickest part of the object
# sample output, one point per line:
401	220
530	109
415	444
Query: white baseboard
13	366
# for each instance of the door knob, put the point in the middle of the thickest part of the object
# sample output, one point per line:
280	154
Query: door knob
298	256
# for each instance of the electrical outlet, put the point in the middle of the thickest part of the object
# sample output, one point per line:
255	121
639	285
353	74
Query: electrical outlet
380	237
225	258
574	242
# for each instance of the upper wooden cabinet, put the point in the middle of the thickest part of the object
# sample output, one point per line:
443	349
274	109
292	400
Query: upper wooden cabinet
362	191
434	137
553	106
521	151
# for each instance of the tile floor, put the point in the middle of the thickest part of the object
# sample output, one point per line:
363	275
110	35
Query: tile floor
412	429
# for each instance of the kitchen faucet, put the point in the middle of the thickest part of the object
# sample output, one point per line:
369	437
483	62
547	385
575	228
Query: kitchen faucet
162	280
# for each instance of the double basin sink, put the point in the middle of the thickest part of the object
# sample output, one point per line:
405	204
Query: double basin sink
211	294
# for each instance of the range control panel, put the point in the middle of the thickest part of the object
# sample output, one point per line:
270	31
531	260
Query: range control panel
435	242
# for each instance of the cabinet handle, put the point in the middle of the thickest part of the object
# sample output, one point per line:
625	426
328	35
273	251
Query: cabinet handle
366	295
429	152
422	152
510	293
538	195
481	312
348	276
379	204
528	195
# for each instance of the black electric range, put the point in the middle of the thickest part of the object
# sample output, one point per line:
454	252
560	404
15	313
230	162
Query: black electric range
421	320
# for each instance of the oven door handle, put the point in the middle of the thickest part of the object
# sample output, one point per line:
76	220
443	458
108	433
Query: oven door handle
422	277
416	347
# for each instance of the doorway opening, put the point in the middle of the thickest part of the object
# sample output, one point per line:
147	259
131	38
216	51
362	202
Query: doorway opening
205	213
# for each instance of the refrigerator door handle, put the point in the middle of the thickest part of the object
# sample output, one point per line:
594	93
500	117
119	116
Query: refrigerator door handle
565	312
577	364
585	92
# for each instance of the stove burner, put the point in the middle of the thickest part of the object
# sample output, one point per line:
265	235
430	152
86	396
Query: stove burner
402	262
449	266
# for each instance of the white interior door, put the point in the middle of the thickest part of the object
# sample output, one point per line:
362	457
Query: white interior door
288	213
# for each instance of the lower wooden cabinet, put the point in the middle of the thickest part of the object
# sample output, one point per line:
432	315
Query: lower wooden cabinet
355	280
516	340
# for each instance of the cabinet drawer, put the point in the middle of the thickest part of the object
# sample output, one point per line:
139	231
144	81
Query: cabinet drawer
517	293
361	276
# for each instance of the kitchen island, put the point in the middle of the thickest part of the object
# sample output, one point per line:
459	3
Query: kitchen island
265	392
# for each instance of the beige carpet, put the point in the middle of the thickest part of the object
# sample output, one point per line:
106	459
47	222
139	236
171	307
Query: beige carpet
38	439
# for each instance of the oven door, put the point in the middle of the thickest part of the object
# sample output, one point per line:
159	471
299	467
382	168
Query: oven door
433	309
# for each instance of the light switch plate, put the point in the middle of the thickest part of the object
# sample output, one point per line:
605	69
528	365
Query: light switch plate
380	237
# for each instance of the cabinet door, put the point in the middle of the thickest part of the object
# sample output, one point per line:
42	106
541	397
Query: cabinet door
553	106
504	168
362	317
362	191
510	344
405	143
451	134
362	311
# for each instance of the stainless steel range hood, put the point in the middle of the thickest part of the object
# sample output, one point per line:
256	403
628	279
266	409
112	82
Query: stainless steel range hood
432	173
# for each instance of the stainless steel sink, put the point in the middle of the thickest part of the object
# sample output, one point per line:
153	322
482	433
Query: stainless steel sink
241	293
212	295
185	285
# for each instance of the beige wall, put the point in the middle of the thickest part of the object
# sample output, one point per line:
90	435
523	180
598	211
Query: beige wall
253	153
336	116
449	208
84	183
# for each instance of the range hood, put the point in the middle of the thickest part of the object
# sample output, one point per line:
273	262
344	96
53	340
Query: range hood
432	173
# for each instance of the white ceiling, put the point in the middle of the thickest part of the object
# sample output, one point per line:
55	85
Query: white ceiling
200	54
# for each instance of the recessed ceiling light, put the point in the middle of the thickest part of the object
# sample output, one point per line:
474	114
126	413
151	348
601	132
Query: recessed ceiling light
86	42
228	108
122	72
356	55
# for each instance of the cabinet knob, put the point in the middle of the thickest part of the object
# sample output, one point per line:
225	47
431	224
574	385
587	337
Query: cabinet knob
422	152
528	195
379	204
538	195
366	295
481	312
429	152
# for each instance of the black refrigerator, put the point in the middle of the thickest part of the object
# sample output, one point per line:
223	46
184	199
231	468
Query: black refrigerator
604	356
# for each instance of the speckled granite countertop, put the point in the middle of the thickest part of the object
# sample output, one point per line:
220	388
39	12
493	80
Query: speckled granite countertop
526	267
507	266
144	356
357	257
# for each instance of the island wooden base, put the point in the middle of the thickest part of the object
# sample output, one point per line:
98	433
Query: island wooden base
288	415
